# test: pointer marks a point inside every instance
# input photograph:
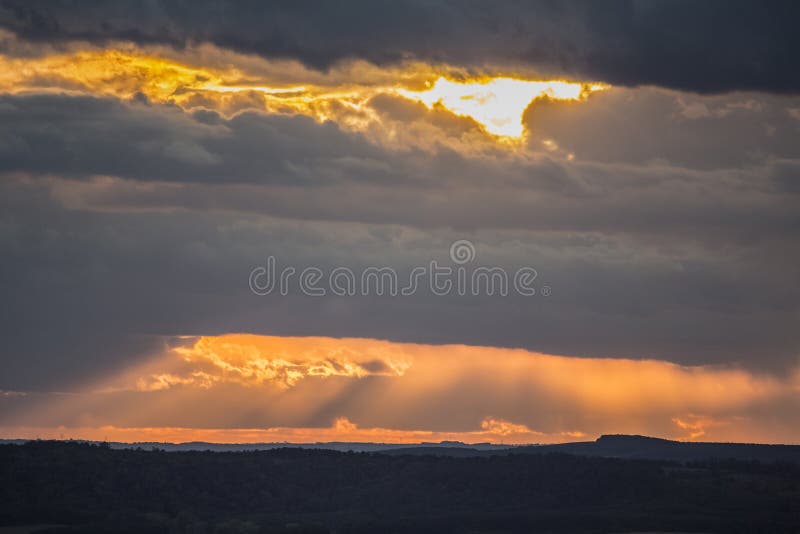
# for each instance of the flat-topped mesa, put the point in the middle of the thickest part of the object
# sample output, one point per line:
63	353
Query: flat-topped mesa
630	439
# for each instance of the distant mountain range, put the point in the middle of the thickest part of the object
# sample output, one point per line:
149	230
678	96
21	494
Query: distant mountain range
610	446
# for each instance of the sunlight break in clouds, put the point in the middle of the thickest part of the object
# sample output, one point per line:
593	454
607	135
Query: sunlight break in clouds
374	390
496	103
166	170
235	83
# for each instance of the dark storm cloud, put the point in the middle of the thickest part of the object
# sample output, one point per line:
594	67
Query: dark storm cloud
675	259
295	168
82	136
699	46
735	130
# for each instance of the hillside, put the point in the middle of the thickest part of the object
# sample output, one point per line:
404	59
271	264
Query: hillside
91	488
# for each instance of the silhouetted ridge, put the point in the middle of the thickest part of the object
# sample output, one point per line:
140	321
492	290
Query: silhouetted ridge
97	489
645	447
630	438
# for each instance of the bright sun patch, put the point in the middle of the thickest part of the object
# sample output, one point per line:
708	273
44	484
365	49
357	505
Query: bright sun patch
496	103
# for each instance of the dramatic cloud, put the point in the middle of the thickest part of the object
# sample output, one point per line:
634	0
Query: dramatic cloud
132	207
383	391
340	94
255	361
153	156
710	46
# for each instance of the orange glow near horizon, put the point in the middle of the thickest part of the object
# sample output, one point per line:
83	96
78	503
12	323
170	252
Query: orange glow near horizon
342	430
307	389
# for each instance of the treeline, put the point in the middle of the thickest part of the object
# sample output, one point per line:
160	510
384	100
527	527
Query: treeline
90	488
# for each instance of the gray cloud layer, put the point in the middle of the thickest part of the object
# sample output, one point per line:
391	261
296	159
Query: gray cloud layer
123	222
698	46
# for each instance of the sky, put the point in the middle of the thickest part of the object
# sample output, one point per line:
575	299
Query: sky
509	222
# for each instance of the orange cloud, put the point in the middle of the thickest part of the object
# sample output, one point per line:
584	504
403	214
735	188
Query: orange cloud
696	425
256	360
206	77
387	391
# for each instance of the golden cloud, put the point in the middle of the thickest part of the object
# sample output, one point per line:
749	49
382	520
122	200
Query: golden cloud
378	390
258	360
207	77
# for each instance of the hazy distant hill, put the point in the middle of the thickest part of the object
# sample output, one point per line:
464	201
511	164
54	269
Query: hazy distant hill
623	446
611	446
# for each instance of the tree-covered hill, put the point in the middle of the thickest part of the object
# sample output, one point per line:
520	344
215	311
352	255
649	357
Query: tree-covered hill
91	488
